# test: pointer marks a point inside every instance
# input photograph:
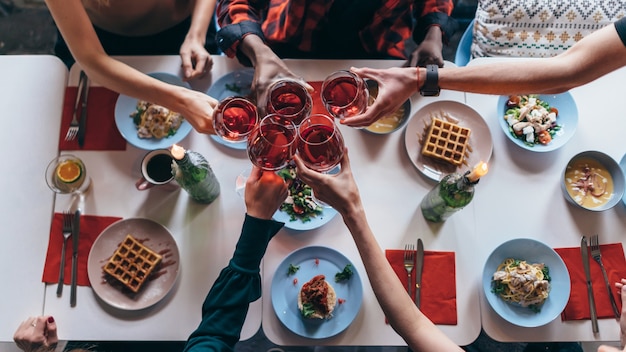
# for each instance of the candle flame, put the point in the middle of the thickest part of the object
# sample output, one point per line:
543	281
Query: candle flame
177	151
478	171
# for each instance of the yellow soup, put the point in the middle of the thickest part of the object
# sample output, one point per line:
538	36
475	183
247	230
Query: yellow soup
588	183
387	123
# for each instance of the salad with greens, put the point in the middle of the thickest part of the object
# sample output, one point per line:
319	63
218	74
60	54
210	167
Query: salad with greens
299	204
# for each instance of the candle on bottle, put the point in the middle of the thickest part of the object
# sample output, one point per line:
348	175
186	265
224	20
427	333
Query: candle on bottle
477	172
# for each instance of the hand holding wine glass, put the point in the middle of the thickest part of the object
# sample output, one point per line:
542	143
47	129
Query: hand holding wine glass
320	143
272	143
289	99
234	119
344	94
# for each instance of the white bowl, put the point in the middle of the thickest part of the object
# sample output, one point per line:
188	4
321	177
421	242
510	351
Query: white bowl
532	251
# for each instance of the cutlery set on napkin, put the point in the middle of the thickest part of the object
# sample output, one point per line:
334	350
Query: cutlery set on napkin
84	231
434	278
593	294
91	111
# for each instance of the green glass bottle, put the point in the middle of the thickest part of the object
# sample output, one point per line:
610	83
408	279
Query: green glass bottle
452	194
194	174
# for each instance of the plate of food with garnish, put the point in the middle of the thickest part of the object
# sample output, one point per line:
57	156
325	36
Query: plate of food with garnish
300	211
150	126
447	136
538	122
316	292
526	282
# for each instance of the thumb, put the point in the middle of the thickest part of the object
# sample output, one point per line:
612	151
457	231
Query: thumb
51	328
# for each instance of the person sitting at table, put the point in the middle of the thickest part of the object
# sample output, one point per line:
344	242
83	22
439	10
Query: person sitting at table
597	54
91	30
341	192
260	33
225	307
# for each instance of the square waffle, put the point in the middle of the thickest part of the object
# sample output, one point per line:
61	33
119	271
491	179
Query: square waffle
446	141
132	263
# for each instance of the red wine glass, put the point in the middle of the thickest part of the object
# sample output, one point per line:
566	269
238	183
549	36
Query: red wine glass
289	99
344	94
320	143
234	119
272	142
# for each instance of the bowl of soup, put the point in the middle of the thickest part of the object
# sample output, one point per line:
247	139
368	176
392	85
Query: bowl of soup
593	181
391	122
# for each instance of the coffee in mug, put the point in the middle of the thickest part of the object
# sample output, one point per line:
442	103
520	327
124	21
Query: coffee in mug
156	169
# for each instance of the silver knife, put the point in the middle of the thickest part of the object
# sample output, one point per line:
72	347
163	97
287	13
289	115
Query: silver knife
83	85
419	265
75	232
592	302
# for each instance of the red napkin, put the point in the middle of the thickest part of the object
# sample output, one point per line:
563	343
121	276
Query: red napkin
318	105
101	133
577	307
438	293
90	228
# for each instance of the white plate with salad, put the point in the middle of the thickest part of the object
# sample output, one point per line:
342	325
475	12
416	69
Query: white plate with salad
523	113
300	211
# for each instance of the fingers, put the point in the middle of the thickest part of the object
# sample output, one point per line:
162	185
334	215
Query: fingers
51	327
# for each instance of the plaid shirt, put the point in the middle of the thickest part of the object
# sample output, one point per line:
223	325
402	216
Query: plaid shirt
298	23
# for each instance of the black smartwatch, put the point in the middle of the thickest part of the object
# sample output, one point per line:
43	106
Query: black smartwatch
431	85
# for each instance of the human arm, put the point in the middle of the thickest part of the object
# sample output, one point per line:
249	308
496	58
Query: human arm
196	60
241	36
37	334
340	191
434	26
226	306
77	30
594	56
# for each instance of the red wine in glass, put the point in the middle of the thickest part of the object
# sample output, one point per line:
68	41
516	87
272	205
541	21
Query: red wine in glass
344	94
320	143
234	119
289	99
271	144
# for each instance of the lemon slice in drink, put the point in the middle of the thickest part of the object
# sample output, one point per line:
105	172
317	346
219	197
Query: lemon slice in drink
69	171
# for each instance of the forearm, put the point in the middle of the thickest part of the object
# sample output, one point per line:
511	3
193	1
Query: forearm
415	328
201	19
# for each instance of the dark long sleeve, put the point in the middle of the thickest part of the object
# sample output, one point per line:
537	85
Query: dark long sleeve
226	306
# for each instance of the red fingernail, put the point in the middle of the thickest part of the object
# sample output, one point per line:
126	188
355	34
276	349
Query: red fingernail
51	320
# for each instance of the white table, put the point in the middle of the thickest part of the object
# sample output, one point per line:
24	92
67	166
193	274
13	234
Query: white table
206	235
31	96
527	184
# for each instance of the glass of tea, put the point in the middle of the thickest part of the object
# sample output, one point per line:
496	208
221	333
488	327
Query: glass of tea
234	119
289	99
320	143
344	94
272	142
67	174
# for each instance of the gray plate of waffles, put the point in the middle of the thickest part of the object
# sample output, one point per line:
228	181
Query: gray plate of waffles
459	140
152	240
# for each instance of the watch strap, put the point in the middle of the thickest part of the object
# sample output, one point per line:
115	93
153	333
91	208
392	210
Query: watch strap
431	84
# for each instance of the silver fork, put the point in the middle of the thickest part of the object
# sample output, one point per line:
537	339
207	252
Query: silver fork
67	232
597	256
409	263
73	130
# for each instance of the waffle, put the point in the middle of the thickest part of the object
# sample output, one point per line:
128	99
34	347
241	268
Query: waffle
446	141
132	263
